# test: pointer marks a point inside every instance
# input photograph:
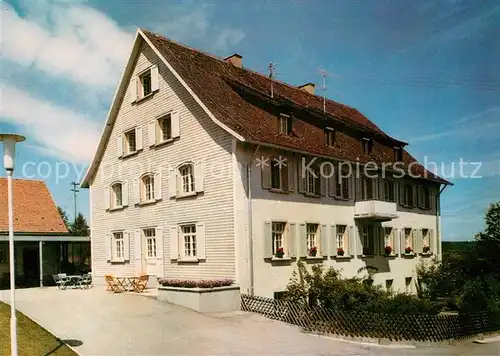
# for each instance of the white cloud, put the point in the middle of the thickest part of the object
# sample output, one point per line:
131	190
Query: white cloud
228	38
56	131
71	41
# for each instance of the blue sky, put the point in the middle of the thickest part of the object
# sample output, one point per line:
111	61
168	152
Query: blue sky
425	72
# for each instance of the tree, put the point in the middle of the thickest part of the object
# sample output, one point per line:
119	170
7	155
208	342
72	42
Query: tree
79	227
64	217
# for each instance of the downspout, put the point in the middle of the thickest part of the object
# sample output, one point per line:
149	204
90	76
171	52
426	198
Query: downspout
438	220
250	222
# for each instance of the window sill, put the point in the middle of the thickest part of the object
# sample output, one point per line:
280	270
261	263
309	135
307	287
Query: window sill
408	255
340	198
188	260
278	191
117	261
145	97
162	143
348	257
314	258
116	208
280	259
426	254
147	202
131	154
186	195
313	195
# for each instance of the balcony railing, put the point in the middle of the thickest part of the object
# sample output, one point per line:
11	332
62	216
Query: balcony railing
375	209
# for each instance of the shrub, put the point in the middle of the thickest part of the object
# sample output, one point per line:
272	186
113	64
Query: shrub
195	284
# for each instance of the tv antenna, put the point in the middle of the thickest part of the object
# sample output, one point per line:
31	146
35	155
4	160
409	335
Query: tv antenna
325	74
272	68
75	191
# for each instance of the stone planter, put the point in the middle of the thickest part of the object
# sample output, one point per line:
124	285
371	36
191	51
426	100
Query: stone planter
203	300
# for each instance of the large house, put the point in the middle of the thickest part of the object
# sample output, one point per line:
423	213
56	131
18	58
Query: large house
208	170
42	245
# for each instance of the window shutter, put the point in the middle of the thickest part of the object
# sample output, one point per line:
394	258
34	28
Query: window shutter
138	138
292	240
136	191
332	247
332	184
268	240
158	186
176	126
107	197
138	251
402	241
155	79
323	184
133	90
126	246
107	247
172	183
323	233
119	146
200	241
159	243
417	240
352	240
292	173
199	170
266	174
173	236
301	178
376	240
432	241
302	241
152	133
359	243
125	193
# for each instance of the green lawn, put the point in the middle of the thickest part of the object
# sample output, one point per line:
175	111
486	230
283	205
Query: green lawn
32	338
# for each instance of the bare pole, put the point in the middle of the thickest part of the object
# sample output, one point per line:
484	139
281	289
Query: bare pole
323	74
75	191
271	76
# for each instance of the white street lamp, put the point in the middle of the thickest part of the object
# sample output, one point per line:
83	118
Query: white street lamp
9	157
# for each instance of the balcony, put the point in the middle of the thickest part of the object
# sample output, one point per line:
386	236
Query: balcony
375	210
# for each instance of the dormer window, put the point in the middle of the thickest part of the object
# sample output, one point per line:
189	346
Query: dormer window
329	137
367	146
398	154
285	124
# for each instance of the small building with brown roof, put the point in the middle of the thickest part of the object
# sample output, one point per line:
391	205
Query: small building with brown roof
42	243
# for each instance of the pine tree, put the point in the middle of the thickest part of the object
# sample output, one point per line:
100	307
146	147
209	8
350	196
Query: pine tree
79	227
64	217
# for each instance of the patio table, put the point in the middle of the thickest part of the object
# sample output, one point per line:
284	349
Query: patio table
73	280
126	283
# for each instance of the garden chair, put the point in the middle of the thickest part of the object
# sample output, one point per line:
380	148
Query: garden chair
57	280
112	284
64	280
86	281
140	283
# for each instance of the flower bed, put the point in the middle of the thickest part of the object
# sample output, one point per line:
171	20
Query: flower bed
185	283
204	296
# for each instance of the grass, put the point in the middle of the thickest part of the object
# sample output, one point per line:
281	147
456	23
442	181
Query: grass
32	339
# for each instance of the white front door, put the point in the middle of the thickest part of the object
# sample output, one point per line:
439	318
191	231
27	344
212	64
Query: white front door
150	250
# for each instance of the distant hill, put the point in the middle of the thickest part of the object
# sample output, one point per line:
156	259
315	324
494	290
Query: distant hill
455	246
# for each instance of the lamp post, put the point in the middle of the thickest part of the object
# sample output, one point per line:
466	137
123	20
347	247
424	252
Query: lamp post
9	157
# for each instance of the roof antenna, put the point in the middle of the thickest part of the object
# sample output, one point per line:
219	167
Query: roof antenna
323	74
272	67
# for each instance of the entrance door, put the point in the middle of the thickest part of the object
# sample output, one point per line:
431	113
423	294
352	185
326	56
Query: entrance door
31	266
150	250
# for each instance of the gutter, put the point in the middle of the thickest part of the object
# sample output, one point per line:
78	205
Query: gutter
438	219
250	223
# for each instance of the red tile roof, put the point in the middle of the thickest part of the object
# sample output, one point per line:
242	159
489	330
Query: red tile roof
216	83
34	210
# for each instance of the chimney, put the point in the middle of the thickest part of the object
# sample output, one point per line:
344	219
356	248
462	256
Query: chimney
308	87
235	60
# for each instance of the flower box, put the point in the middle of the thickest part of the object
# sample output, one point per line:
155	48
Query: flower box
204	299
313	251
340	252
280	252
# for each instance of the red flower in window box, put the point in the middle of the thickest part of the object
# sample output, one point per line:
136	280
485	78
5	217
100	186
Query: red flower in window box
388	250
408	250
313	251
426	249
280	252
340	251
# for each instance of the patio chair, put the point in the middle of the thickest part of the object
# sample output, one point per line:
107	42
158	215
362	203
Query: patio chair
57	280
64	280
112	284
139	284
86	281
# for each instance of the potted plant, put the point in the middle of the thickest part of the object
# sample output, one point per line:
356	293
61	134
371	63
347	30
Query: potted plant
313	251
408	250
340	251
388	250
280	252
426	249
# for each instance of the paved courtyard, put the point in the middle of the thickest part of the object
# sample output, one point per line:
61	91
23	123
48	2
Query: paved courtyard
126	324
